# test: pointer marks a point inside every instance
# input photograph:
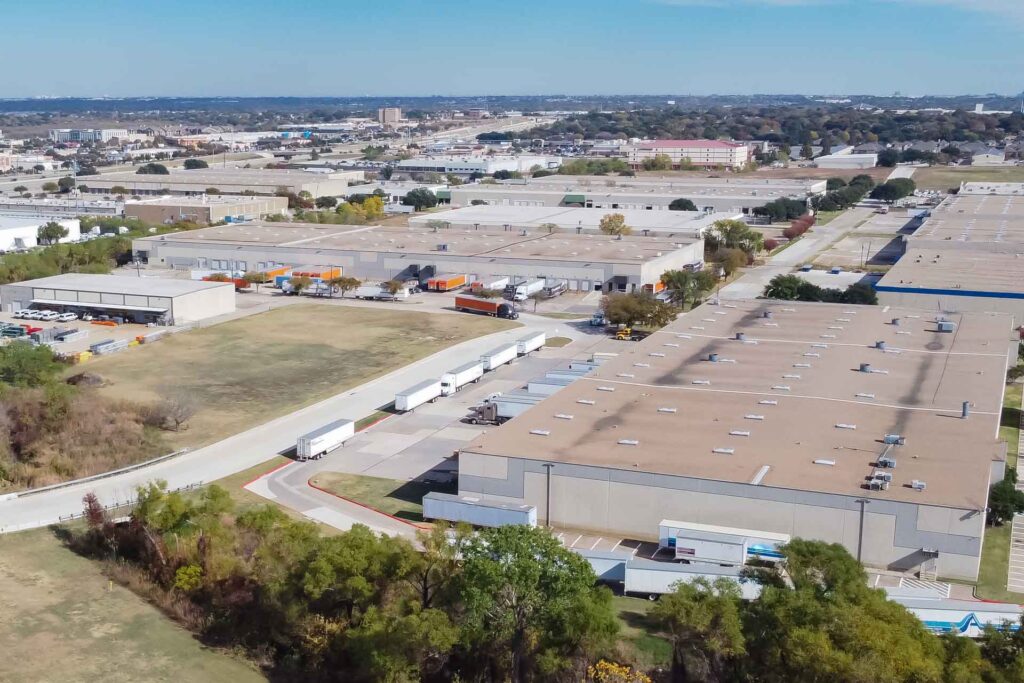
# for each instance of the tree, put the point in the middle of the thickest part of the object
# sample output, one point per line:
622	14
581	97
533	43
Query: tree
152	169
682	205
212	191
50	187
660	162
507	175
614	224
637	308
523	594
66	184
173	411
21	188
887	192
392	286
373	208
299	283
548	227
193	164
1005	500
24	365
731	260
118	190
806	151
686	285
51	233
703	623
834	183
888	157
420	198
326	202
344	284
537	297
255	278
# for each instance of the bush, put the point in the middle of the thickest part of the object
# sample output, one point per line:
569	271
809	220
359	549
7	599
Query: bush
770	245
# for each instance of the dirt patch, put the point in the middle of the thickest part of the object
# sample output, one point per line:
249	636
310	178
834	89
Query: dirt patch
247	371
63	621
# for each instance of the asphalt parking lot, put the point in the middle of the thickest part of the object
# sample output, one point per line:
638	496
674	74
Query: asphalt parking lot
1015	575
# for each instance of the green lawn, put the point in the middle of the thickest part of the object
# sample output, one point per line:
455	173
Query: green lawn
64	621
948	177
824	217
402	499
558	342
636	637
995	561
1009	425
561	315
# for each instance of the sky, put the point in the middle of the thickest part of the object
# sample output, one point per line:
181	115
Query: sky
117	48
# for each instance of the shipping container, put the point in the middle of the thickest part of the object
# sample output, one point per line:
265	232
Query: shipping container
530	342
493	307
490	283
428	390
320	442
455	379
477	511
719	544
446	283
499	356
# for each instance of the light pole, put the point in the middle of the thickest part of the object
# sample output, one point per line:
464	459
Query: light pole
547	506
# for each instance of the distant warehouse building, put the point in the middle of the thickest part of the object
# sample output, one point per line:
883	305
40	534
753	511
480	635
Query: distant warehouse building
586	262
690	224
682	153
847	161
141	300
468	165
19	231
205	209
873	428
966	256
226	181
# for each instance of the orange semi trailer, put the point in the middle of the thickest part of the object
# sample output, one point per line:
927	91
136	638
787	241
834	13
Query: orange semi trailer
495	307
446	283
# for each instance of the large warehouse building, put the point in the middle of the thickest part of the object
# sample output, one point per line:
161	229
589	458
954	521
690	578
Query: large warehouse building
19	231
226	181
205	209
141	300
683	223
868	427
587	262
728	195
966	256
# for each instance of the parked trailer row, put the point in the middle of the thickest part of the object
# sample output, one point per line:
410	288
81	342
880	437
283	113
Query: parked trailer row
522	291
320	442
447	282
490	283
455	379
426	391
477	511
503	407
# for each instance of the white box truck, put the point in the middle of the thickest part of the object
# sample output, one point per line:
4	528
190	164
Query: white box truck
530	342
521	291
425	391
499	356
320	442
455	379
477	511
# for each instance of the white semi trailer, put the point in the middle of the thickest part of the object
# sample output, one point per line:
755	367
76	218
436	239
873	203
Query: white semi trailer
414	396
530	342
455	379
320	442
497	357
477	511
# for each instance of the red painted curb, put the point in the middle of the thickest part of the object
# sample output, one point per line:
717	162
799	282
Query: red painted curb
309	482
260	476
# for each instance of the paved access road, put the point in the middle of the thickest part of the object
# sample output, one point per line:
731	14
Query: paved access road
250	448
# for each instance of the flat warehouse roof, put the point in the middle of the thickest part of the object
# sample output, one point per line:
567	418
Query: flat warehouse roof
956	272
535	216
647	184
209	177
790	394
459	242
118	284
975	218
203	200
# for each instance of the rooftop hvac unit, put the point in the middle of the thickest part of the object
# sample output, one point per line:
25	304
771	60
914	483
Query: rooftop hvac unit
887	461
894	439
865	367
918	485
880	345
878	485
946	326
442	247
882	476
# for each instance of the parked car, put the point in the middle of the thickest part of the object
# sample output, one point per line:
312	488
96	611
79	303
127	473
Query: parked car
67	317
34	315
49	316
20	313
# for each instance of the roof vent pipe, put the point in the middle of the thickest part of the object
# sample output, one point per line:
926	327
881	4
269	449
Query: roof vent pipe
713	357
766	314
896	322
965	410
865	367
740	336
880	345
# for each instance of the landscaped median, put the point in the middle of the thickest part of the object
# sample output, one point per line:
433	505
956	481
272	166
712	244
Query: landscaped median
399	499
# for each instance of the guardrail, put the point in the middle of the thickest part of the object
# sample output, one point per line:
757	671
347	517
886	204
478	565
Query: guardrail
96	477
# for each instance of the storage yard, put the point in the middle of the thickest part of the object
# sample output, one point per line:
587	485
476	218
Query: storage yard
585	262
246	371
616	462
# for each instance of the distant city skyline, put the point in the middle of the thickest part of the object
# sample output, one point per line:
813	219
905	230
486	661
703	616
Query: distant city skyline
115	48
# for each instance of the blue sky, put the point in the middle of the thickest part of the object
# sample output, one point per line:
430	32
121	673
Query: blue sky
464	47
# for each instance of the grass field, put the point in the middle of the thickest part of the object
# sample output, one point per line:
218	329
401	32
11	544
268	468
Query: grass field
248	371
636	636
1009	423
61	623
400	499
946	177
557	342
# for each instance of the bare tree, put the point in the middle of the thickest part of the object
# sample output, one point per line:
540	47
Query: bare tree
173	411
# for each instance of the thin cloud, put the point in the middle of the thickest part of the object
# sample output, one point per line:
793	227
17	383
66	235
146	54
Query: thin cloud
1004	9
